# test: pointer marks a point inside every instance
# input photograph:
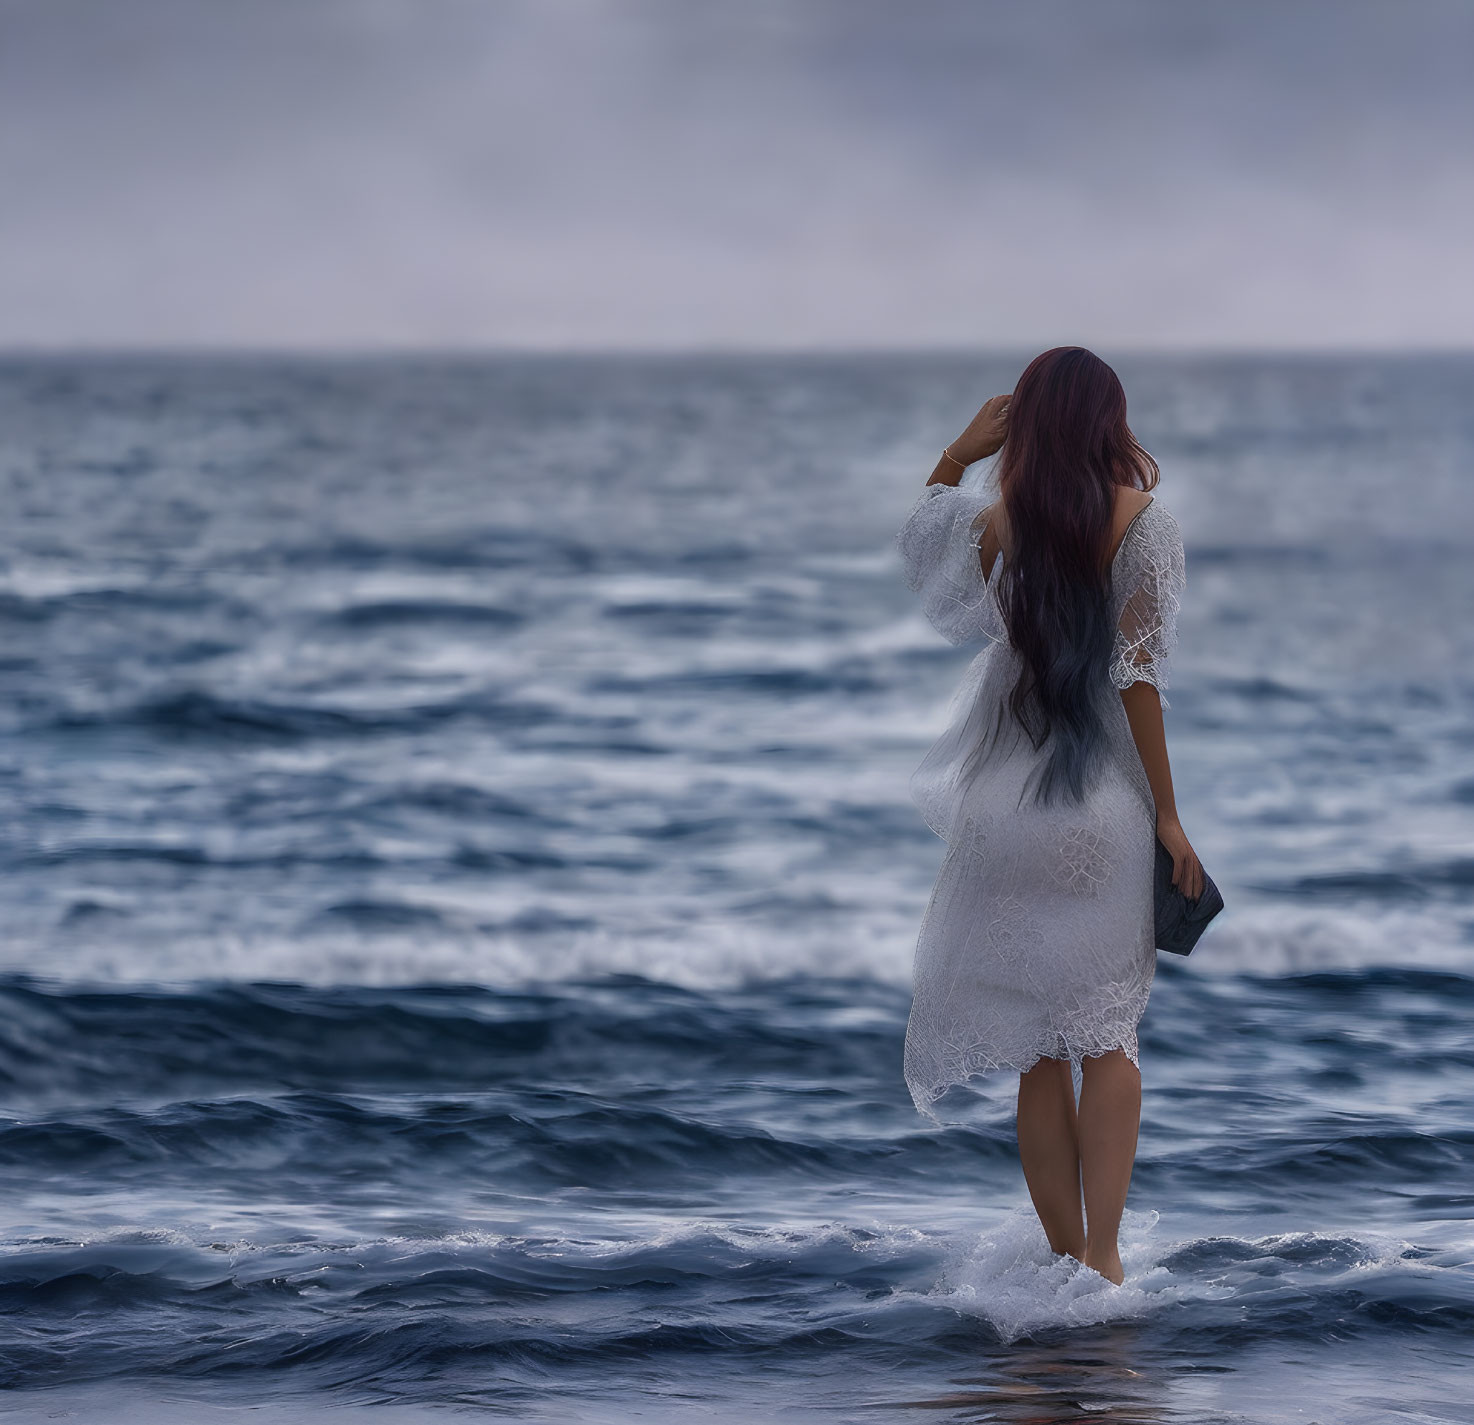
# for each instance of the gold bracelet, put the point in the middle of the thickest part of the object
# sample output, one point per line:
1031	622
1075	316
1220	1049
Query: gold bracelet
953	458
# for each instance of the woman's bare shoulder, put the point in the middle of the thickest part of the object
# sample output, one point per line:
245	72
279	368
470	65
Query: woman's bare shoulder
988	513
1130	501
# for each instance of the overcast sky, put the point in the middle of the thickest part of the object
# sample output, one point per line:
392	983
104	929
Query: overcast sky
720	173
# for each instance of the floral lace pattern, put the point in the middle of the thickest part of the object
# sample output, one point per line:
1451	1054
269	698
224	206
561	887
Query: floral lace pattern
1037	939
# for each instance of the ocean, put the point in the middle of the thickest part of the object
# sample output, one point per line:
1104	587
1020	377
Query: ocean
459	886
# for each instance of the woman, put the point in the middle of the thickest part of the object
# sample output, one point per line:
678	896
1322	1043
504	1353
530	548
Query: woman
1051	781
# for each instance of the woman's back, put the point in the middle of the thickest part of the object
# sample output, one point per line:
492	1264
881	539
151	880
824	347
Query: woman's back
996	540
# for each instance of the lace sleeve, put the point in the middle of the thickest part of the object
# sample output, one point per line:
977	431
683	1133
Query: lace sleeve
1155	576
939	554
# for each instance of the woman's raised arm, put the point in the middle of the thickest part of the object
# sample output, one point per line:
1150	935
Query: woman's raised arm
983	437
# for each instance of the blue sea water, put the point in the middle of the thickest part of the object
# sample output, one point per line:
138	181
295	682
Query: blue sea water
459	888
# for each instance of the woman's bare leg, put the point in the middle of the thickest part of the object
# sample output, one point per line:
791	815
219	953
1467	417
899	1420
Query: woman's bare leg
1109	1119
1050	1153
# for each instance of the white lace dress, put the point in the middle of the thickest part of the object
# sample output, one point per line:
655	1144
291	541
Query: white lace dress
1038	938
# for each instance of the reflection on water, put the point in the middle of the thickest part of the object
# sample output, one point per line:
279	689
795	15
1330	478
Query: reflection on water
1039	1383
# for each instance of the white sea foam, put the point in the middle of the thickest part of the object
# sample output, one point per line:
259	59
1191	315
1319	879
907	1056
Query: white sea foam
1011	1279
1281	940
851	929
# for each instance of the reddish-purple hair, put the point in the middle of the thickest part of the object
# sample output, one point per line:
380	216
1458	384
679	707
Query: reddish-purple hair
1068	446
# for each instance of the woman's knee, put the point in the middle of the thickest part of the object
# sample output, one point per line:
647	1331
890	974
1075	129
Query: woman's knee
1113	1061
1045	1069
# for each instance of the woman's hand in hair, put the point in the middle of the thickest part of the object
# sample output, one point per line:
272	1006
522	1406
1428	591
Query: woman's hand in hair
985	433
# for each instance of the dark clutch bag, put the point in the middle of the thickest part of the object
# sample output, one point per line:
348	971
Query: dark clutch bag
1180	921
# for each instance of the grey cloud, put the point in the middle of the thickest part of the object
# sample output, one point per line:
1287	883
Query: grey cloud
820	172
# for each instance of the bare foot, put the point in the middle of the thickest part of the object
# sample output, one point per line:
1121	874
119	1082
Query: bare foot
1108	1266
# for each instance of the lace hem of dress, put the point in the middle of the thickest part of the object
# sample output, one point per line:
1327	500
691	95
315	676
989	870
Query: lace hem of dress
958	1066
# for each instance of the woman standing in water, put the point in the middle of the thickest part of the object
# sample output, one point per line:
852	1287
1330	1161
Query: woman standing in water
1051	782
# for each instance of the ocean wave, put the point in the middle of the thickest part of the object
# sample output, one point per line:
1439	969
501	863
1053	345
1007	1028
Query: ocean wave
392	613
74	1043
701	1289
198	713
1291	1285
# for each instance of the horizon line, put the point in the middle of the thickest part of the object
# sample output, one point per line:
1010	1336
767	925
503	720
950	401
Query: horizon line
391	350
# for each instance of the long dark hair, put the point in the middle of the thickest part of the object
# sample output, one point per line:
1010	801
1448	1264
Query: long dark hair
1068	446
